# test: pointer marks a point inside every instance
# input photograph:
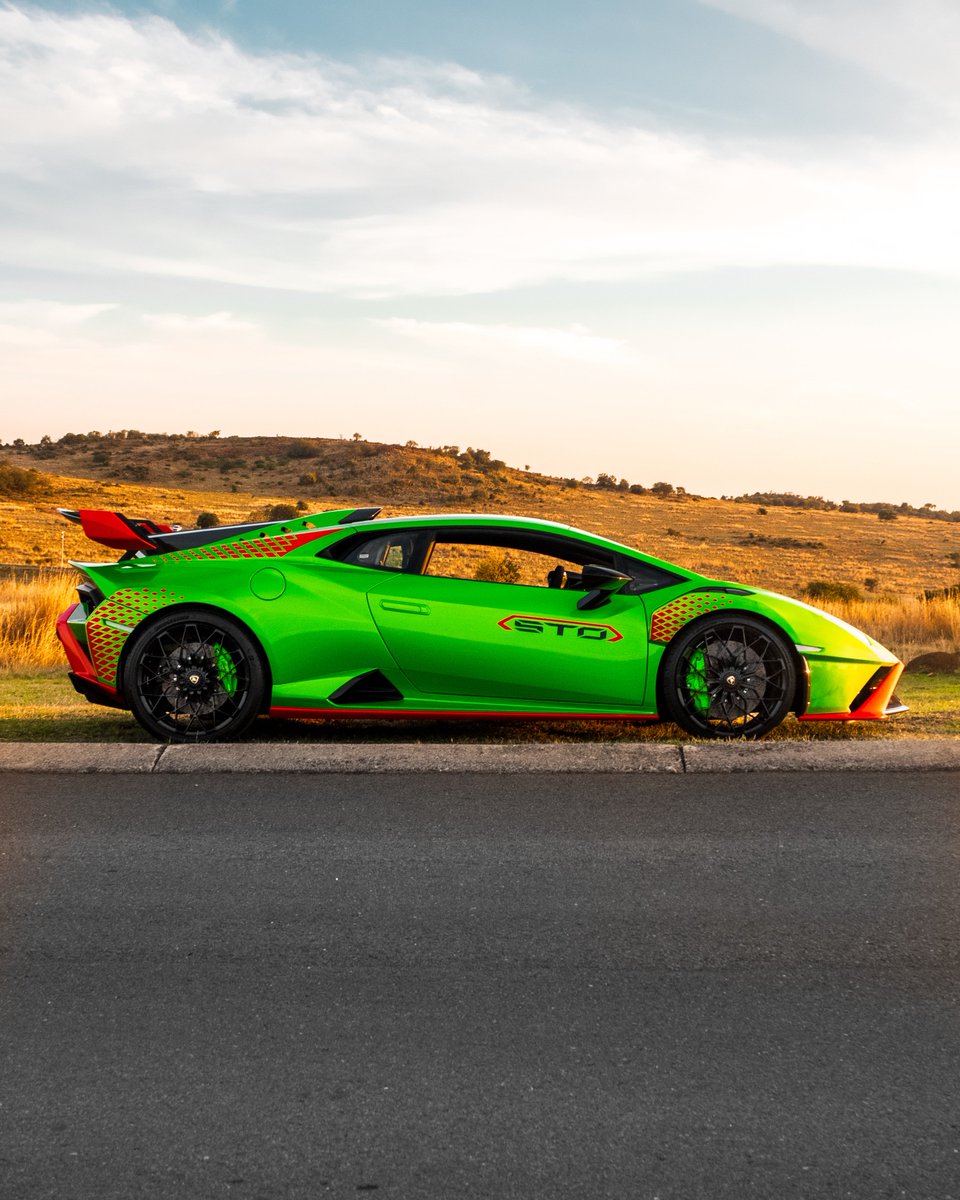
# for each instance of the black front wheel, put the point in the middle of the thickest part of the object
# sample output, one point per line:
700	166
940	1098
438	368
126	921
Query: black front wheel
193	676
726	678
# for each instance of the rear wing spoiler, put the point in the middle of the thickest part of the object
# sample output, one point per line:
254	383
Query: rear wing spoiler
139	535
118	532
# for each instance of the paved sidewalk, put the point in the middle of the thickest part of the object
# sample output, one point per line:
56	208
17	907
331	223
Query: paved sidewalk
940	754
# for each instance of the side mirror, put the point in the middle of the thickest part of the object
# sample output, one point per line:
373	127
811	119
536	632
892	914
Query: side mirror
602	581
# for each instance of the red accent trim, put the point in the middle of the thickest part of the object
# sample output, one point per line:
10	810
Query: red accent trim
874	708
274	546
445	714
71	647
839	716
671	618
301	539
617	636
80	664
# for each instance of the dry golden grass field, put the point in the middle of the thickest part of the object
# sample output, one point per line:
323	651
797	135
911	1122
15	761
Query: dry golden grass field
176	478
891	562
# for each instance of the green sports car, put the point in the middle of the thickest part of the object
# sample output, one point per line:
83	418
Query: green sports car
339	614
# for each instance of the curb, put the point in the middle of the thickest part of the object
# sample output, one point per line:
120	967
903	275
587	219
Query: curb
940	754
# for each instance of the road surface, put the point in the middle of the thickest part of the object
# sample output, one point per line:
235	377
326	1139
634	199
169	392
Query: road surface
480	986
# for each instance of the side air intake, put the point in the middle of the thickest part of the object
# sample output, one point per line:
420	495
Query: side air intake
369	688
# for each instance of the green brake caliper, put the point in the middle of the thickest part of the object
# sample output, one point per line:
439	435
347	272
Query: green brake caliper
226	669
696	680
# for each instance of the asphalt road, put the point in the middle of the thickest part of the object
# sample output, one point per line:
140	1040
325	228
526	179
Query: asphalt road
441	986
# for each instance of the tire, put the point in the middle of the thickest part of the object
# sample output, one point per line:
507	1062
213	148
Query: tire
726	677
194	675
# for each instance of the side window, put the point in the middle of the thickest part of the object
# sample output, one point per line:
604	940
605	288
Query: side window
388	552
490	563
492	555
534	560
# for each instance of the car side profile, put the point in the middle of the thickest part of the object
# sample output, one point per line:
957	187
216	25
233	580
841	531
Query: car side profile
340	614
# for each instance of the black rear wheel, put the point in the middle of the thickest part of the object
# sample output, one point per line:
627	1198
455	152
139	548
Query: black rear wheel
725	678
193	676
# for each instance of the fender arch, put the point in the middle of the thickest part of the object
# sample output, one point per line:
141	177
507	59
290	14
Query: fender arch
142	627
801	697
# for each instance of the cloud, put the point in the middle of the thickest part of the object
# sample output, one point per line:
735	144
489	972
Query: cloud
575	343
43	324
130	148
51	313
218	323
910	43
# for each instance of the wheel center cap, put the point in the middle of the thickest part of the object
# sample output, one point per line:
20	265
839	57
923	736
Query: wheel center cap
731	681
194	679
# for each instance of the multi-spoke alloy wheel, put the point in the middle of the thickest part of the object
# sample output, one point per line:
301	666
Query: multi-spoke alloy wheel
727	678
193	676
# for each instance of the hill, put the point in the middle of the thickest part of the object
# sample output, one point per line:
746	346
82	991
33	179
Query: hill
784	543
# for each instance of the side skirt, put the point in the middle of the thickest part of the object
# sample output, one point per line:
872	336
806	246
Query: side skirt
402	714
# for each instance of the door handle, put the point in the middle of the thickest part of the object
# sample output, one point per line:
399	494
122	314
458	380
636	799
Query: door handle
413	607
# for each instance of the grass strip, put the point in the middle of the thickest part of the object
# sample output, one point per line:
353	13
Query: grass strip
45	708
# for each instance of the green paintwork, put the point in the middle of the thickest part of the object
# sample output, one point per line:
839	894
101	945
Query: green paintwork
440	640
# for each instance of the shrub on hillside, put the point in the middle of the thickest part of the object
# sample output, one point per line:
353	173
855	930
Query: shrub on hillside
207	520
829	589
21	483
282	512
479	460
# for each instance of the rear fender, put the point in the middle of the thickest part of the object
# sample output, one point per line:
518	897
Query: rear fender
143	628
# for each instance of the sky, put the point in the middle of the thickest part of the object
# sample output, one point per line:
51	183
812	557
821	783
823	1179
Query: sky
712	242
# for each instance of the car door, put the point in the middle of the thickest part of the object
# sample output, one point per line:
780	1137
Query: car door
515	641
